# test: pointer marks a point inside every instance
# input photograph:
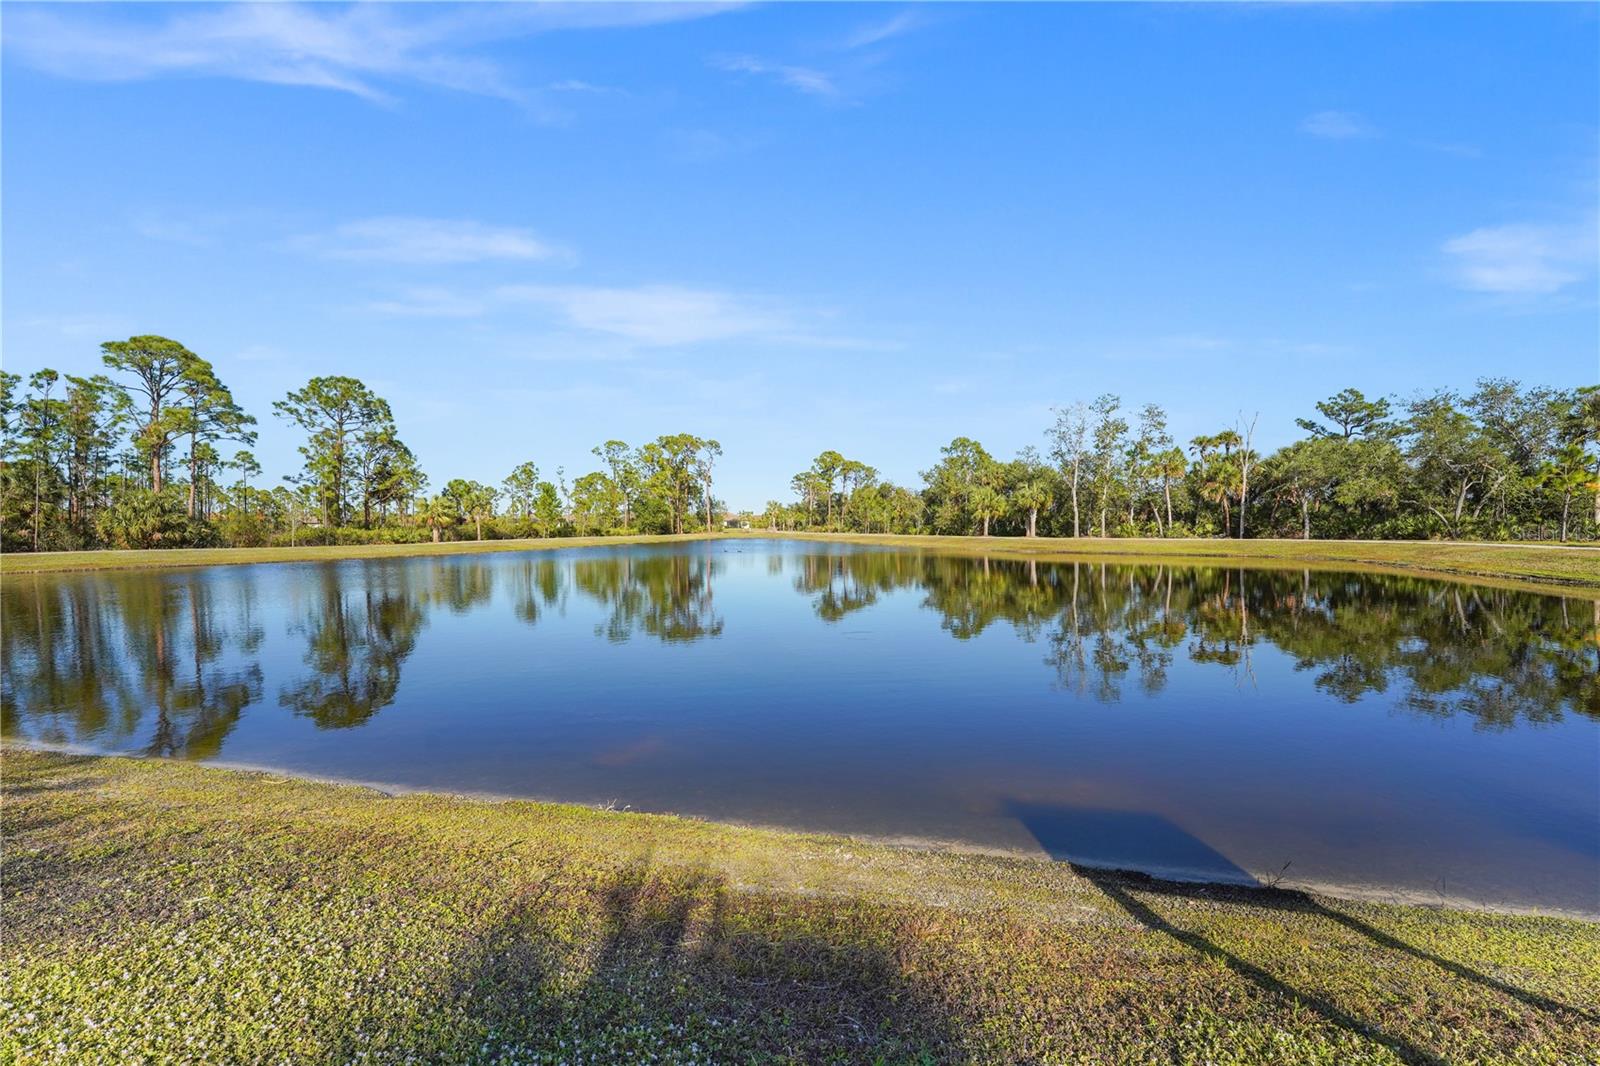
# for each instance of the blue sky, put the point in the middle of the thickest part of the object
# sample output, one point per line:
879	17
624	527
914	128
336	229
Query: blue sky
862	227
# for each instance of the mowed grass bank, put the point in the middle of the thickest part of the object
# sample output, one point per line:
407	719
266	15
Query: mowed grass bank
54	562
168	912
1548	564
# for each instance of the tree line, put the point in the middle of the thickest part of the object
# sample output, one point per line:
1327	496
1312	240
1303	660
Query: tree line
1502	462
138	457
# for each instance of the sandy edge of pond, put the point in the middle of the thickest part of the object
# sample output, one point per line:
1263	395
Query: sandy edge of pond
1267	880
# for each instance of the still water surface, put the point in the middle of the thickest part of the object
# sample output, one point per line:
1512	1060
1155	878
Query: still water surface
1394	734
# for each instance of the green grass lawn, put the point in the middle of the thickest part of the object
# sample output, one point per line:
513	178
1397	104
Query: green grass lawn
167	912
1543	564
1538	564
51	562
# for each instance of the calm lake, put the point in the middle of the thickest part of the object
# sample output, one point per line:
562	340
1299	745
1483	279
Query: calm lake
1420	738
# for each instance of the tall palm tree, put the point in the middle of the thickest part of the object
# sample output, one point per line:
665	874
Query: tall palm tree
1170	464
1220	471
1031	496
437	512
988	503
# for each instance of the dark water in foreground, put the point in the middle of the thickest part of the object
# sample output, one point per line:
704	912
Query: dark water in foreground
1390	733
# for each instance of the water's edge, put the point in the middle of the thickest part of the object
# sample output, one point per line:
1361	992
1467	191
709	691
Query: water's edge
1270	882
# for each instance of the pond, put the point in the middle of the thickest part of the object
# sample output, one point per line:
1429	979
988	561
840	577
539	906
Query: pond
1366	732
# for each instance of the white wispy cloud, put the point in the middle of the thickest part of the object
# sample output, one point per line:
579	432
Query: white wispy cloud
656	315
878	32
397	239
171	229
1193	342
1459	150
80	326
1338	126
844	62
578	85
1524	258
1241	347
951	386
260	353
804	79
424	301
364	49
1350	126
624	319
698	145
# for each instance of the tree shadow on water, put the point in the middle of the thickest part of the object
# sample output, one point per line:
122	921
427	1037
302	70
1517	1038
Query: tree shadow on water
1105	846
1093	837
667	960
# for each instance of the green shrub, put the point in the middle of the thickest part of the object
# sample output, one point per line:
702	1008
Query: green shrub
140	518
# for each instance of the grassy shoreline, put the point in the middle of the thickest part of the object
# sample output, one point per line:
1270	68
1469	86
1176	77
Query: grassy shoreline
175	558
1550	566
174	911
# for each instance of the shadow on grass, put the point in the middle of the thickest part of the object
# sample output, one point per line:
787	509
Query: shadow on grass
1466	973
628	964
1115	886
641	963
21	818
668	959
1102	846
56	773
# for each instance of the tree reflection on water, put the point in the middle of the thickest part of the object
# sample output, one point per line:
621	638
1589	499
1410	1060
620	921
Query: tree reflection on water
168	663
